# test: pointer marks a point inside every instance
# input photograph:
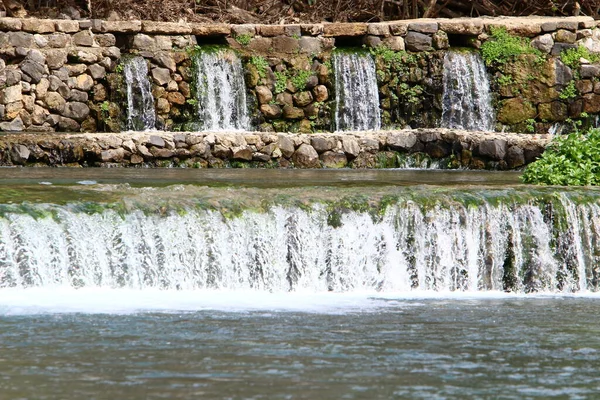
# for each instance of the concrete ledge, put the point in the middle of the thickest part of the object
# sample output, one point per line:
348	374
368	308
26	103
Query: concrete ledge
382	149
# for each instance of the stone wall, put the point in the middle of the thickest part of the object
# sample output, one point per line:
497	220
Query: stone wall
65	75
447	148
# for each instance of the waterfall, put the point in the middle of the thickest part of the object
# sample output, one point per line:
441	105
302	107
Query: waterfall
356	93
141	114
461	242
220	91
467	103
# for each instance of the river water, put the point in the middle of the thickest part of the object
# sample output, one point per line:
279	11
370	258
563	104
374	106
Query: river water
86	313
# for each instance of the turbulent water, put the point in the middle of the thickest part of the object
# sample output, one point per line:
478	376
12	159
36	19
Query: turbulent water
140	102
220	91
356	93
467	103
397	240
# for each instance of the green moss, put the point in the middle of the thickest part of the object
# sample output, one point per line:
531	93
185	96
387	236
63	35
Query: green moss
502	47
243	39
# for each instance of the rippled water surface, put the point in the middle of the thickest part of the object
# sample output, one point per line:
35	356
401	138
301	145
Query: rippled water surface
339	346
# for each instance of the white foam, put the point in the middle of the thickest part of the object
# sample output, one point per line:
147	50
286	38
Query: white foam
129	301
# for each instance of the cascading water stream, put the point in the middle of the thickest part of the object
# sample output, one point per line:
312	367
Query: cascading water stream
467	103
439	243
356	92
141	114
220	91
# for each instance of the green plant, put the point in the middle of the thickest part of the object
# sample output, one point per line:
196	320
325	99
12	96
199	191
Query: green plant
192	102
530	125
299	79
569	92
119	68
105	110
569	160
280	81
410	93
505	80
572	57
243	39
261	65
502	47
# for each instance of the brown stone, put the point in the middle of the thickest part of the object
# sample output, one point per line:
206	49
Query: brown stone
10	24
37	25
515	110
264	94
122	26
591	103
565	36
271	111
176	98
462	26
83	38
167	28
306	157
66	25
379	29
242	153
555	111
261	45
302	99
271	30
323	143
344	29
211	29
285	44
332	159
292	112
584	86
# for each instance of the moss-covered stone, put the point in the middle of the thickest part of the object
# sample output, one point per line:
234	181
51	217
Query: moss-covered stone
515	110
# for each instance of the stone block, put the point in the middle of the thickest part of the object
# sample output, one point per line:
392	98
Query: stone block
37	25
494	149
565	36
423	27
83	38
379	29
11	94
462	26
310	45
285	44
67	26
121	26
167	28
395	43
270	30
10	24
20	39
399	28
415	41
344	29
58	40
247	29
211	29
311	29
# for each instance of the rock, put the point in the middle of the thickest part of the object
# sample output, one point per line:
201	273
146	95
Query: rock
97	71
163	106
84	82
494	149
172	86
591	103
15	125
565	36
394	43
76	110
40	41
58	40
331	159
78	95
310	45
56	58
418	42
462	26
438	149
156	141
560	47
543	43
554	111
33	69
55	102
105	40
112	155
13	77
344	29
166	60
10	24
322	144
161	153
321	93
19	154
39	115
11	94
286	146
20	39
121	26
68	125
306	157
37	25
401	141
515	110
515	157
302	99
87	57
261	45
176	98
264	94
293	112
423	27
161	76
350	146
590	71
440	40
372	41
67	26
143	42
284	44
271	111
83	38
242	153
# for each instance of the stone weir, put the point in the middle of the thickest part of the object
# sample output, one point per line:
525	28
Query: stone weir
66	75
447	148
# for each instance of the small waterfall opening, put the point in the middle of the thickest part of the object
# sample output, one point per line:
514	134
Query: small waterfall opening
141	114
357	96
220	90
467	103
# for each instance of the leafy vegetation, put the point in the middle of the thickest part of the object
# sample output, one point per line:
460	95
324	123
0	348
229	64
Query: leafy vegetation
300	78
261	65
243	39
503	47
572	57
569	92
569	160
280	82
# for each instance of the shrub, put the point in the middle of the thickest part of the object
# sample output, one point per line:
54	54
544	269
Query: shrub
569	160
503	47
